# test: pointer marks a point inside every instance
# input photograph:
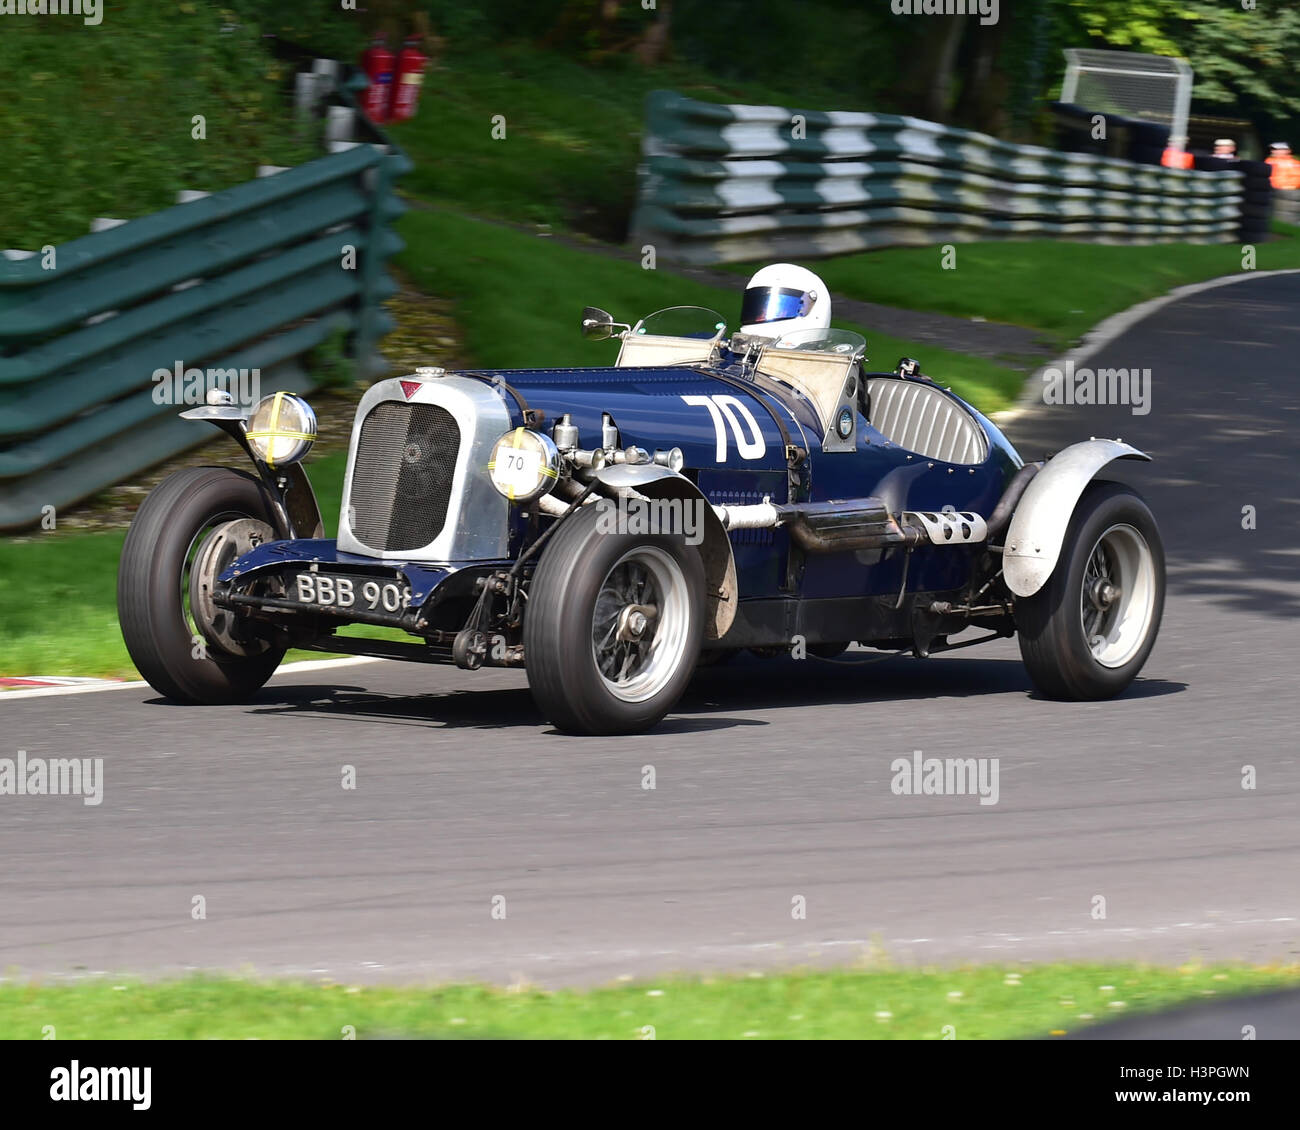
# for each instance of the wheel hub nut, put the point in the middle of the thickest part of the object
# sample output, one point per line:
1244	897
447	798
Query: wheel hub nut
634	620
1104	594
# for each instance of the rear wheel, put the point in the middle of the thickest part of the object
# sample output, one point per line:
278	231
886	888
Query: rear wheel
1088	631
185	533
613	627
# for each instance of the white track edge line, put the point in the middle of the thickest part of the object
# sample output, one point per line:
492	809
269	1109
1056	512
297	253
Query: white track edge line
301	666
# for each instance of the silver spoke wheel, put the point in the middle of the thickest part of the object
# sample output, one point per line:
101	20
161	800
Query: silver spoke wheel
212	549
1118	595
640	624
189	528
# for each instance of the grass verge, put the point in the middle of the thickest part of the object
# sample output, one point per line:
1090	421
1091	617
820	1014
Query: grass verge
572	133
1061	288
58	593
982	1002
518	298
568	162
102	123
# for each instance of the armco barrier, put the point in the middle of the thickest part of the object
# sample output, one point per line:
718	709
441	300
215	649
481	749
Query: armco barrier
249	278
1286	205
722	183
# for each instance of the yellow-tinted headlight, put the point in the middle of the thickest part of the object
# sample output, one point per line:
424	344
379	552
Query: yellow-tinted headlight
281	429
524	464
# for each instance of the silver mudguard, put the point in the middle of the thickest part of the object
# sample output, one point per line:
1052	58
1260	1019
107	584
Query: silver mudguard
297	513
1038	526
654	481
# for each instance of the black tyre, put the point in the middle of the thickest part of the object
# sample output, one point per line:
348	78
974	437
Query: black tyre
1087	632
613	626
184	648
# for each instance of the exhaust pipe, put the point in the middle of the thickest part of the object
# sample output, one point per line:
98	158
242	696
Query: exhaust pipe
861	523
1006	506
826	527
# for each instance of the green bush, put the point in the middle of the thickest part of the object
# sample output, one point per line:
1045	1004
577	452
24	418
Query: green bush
98	120
324	27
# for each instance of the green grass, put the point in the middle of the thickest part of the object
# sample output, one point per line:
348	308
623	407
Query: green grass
518	298
58	607
101	122
572	134
1059	287
568	162
983	1002
58	592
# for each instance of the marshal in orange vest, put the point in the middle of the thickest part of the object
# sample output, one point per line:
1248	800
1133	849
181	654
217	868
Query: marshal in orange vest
1286	169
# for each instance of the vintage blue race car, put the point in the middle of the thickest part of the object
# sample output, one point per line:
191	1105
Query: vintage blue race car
609	528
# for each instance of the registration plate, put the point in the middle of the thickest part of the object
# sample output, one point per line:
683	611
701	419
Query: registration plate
329	591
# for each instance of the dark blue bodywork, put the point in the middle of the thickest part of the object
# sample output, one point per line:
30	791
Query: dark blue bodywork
648	408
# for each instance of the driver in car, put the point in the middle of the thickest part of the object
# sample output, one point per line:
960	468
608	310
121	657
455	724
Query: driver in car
784	300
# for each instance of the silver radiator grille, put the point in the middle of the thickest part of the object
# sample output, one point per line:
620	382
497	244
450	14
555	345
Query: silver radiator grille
402	475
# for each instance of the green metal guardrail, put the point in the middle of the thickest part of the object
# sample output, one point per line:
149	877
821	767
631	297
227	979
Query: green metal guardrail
724	183
249	278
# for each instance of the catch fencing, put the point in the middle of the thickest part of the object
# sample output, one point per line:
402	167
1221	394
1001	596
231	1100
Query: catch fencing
253	278
722	183
1286	205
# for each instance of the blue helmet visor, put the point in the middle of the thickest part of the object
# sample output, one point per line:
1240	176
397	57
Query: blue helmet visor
773	304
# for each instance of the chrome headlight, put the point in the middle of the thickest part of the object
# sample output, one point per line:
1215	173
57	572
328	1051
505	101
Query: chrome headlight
524	464
281	429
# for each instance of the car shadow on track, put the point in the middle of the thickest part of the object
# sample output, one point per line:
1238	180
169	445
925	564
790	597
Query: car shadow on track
715	696
492	709
786	682
489	709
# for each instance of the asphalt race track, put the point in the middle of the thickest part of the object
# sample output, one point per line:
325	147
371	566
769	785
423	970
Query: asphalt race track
772	778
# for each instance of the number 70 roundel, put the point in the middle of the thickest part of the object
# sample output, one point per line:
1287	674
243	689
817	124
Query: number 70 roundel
727	413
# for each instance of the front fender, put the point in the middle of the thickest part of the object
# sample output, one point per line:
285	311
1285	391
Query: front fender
1037	529
297	513
654	481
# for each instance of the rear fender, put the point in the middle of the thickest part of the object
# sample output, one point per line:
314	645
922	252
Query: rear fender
1038	526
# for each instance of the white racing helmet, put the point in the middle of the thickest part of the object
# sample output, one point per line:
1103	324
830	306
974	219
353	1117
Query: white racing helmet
783	298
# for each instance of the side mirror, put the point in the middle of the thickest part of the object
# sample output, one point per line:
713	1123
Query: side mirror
597	324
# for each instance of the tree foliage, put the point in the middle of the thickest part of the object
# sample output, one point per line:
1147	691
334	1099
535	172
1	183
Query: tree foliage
1245	56
851	54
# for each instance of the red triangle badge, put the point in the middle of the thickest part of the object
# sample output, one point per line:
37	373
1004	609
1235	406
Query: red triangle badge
410	388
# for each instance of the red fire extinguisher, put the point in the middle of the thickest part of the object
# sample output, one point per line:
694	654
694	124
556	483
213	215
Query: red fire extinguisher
377	62
410	74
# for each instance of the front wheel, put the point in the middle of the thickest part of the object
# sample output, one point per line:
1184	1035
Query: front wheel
613	626
1088	631
186	532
